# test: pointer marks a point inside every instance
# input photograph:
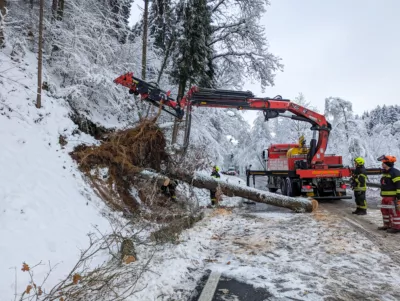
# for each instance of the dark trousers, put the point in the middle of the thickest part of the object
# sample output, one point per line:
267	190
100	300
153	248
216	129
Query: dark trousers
169	191
213	197
360	200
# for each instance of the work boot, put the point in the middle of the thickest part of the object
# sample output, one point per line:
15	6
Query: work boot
383	228
391	230
362	212
356	211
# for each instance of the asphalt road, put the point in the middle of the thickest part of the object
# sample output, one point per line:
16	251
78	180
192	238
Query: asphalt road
227	289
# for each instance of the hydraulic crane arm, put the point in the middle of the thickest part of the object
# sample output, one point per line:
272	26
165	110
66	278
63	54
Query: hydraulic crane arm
271	108
274	107
241	100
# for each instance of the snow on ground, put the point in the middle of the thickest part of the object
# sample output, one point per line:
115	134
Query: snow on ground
46	209
292	256
308	257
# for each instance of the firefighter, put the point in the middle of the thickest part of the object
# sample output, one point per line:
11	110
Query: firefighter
390	192
214	174
169	188
359	186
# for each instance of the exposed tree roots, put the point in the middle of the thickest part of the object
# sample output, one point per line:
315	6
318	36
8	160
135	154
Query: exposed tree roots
117	159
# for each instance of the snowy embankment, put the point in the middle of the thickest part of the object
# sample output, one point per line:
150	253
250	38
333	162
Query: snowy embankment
46	209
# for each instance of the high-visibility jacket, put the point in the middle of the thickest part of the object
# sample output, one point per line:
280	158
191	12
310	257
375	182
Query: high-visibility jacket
390	183
359	179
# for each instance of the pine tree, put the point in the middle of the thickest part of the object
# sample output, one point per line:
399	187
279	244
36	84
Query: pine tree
161	23
162	30
2	16
192	55
120	12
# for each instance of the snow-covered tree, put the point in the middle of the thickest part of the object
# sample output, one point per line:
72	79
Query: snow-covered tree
191	58
383	129
288	130
252	143
162	30
241	48
348	135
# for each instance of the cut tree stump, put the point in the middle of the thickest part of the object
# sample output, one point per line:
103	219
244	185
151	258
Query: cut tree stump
298	204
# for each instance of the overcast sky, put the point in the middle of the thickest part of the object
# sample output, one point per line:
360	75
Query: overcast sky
344	48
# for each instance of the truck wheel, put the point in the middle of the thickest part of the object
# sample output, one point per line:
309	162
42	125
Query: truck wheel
283	187
272	181
289	187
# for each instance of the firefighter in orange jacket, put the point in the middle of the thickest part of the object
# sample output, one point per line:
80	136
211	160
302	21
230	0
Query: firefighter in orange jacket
214	174
390	192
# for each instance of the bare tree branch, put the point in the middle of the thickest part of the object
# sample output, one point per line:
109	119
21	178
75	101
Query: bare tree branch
217	5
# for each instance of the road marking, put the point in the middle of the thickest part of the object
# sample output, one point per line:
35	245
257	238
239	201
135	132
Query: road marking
209	289
354	223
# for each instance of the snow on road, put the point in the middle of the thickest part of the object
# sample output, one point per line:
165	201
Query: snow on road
302	256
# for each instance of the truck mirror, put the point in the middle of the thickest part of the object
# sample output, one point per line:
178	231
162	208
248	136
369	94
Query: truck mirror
263	154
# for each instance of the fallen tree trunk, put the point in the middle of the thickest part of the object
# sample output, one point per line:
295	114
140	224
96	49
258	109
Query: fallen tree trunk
298	204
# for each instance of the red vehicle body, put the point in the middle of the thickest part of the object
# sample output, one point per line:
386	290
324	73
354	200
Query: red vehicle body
311	173
293	177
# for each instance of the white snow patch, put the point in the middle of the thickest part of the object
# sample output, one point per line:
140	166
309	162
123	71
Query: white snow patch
46	208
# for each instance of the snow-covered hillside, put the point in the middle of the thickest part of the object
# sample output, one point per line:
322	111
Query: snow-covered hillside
46	209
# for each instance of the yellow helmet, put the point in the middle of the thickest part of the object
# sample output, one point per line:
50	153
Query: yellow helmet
216	167
359	161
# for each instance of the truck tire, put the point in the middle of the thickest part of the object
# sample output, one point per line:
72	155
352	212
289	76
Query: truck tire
289	187
283	186
272	181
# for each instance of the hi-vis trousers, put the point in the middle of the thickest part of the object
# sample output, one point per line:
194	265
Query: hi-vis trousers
391	216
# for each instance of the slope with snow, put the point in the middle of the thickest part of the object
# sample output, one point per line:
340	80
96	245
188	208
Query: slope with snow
46	209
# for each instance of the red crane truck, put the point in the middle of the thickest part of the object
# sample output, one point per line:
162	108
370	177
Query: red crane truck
295	169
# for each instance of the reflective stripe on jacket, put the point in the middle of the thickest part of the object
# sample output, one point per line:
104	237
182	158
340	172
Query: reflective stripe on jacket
359	179
390	183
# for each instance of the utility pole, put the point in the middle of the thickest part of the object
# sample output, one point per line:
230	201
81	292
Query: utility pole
39	85
144	48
